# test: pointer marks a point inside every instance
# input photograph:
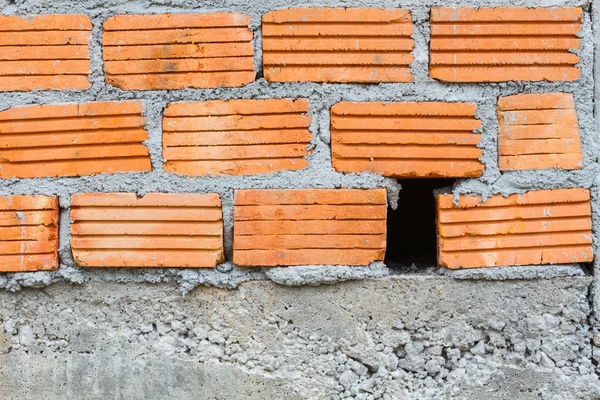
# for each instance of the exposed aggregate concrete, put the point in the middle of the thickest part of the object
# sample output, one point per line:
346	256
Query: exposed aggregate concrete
394	338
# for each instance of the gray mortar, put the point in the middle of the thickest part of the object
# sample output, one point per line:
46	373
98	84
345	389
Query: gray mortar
401	337
319	173
508	273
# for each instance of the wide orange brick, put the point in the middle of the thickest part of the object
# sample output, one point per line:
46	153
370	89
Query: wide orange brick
309	226
538	131
44	52
156	230
504	44
425	140
28	233
176	51
236	137
538	227
337	45
73	139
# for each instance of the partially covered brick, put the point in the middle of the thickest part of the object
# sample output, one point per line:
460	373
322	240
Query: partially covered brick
504	44
404	140
538	227
177	51
28	233
364	45
156	230
309	226
236	137
73	140
44	52
538	131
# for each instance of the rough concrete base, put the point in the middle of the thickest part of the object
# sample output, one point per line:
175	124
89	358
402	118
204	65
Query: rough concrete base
401	337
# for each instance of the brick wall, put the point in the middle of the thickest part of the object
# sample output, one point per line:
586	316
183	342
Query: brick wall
275	138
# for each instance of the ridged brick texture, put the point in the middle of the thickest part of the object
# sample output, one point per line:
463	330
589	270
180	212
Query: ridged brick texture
28	233
426	140
176	51
44	52
157	230
309	226
236	137
72	140
538	131
539	227
337	45
504	44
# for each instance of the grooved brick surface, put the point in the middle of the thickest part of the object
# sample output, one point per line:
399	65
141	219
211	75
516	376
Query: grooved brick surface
426	140
157	230
176	51
73	139
236	137
337	45
309	226
44	52
538	227
504	44
538	131
28	233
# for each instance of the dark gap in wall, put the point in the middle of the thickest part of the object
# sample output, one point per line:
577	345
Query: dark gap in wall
411	230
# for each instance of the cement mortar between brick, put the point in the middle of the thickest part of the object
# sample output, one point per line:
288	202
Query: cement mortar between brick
319	173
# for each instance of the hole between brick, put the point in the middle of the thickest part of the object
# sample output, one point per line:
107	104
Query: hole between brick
411	230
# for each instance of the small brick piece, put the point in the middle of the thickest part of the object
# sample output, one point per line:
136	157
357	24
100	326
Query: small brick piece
425	140
177	51
28	233
538	131
72	140
309	226
504	44
157	230
538	227
337	45
44	52
236	137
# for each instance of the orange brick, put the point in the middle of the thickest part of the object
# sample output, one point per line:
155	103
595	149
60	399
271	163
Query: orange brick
309	226
504	44
177	51
538	227
157	230
538	131
337	45
72	140
236	137
44	52
429	139
28	233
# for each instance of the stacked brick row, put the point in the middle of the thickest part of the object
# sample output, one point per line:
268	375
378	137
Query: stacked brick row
289	227
176	51
249	137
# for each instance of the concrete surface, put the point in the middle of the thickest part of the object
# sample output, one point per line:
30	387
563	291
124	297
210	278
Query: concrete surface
392	338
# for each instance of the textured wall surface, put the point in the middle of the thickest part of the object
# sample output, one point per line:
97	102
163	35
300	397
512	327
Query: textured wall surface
233	332
392	338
